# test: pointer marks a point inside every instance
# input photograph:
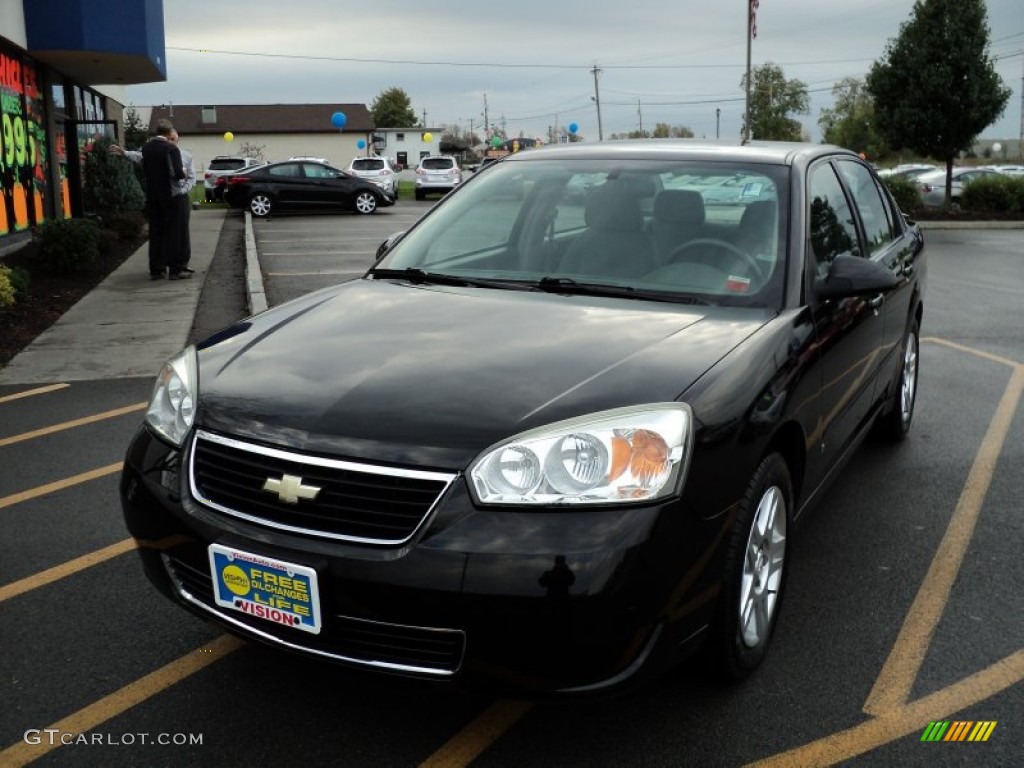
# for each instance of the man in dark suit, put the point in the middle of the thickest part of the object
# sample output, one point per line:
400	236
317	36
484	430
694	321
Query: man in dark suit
161	163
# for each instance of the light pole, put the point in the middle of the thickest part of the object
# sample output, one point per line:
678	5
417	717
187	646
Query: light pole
718	122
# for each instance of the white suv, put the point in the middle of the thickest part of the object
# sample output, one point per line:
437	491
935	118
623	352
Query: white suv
439	173
379	170
219	166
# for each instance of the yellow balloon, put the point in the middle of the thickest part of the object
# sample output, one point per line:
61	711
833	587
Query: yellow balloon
428	137
229	136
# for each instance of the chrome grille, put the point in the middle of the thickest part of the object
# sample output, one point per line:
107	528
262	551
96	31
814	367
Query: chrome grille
356	502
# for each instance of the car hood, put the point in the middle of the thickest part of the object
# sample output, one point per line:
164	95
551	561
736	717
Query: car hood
430	376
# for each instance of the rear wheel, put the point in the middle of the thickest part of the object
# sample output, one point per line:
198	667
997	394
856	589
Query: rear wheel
895	424
260	204
419	194
755	572
366	202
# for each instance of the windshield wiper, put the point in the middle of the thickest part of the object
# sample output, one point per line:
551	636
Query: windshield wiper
421	276
567	285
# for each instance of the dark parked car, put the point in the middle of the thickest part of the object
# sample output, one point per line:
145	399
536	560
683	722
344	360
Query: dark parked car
302	185
546	443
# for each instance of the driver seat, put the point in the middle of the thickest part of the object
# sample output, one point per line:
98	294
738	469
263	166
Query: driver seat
678	217
614	243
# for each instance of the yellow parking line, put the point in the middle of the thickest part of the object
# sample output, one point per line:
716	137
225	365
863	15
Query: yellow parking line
64	570
468	743
58	485
970	351
71	424
120	701
31	392
892	688
903	721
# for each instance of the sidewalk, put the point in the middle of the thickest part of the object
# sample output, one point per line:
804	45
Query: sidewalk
127	326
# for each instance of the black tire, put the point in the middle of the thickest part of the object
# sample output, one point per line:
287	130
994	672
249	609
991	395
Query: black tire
419	194
755	572
894	423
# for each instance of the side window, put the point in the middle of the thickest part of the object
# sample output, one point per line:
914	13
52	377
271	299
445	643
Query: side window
830	220
290	170
877	225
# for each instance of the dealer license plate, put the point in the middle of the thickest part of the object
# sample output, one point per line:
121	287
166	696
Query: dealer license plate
272	590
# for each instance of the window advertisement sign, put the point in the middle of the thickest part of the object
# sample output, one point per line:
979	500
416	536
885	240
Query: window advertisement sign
24	172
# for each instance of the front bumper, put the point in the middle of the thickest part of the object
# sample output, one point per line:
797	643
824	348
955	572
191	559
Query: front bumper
537	602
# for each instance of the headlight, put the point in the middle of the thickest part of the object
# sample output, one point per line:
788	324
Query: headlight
172	406
625	455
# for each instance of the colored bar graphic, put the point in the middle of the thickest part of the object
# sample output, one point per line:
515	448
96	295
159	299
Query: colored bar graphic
958	730
934	731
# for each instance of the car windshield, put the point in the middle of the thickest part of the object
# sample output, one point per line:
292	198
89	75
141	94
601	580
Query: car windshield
711	232
367	164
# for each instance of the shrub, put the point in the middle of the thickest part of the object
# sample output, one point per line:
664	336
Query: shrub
905	191
128	225
6	287
110	187
20	280
998	194
69	245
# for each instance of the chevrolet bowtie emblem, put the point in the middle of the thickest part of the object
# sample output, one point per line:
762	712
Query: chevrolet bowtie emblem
290	489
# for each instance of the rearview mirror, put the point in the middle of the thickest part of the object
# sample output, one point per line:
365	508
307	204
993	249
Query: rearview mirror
388	244
855	276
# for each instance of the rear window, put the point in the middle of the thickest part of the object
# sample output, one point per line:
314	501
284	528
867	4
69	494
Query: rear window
437	163
368	164
227	164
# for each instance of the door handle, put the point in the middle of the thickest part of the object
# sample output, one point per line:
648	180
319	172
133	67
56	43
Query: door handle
876	301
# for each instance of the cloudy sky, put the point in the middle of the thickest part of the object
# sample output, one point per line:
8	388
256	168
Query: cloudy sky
530	64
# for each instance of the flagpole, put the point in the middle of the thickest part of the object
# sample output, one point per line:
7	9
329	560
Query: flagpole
750	28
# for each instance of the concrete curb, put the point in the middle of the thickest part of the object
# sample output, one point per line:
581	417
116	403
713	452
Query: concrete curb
256	295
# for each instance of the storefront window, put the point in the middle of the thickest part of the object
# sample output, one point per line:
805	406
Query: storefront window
24	172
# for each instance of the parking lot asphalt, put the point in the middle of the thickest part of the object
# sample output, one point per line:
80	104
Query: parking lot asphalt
129	325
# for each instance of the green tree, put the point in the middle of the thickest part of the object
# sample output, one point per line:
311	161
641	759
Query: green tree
850	122
110	187
393	109
935	88
773	101
135	131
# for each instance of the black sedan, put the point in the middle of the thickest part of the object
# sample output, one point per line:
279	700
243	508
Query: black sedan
302	185
553	441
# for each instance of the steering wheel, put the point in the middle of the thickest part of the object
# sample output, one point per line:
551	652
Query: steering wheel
721	245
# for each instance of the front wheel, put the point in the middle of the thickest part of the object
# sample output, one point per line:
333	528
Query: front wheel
895	424
366	202
260	204
755	572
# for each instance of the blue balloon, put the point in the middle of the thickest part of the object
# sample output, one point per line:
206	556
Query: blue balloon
338	119
361	144
573	127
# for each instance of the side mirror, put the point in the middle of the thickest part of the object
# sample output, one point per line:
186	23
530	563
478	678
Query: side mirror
388	244
854	276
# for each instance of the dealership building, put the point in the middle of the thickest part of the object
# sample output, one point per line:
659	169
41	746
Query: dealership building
64	65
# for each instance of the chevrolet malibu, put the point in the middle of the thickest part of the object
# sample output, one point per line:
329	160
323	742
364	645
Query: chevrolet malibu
552	441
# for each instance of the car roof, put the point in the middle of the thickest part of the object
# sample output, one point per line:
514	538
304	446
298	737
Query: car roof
773	152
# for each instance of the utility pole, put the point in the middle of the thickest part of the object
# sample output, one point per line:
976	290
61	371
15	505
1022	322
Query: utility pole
718	122
424	118
751	34
487	122
640	114
1020	139
597	101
